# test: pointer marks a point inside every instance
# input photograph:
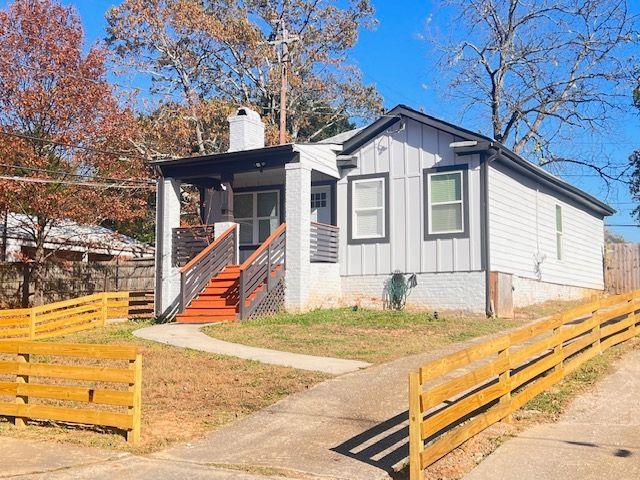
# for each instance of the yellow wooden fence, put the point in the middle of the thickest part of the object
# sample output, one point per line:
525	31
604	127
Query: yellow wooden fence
69	316
113	397
457	396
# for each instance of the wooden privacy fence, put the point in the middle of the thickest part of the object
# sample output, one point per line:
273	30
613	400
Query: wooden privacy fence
40	389
622	267
69	316
66	280
457	396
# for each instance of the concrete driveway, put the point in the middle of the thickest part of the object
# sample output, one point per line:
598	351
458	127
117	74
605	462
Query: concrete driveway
598	438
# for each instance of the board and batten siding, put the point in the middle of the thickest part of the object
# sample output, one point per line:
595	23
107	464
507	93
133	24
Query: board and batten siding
522	233
404	155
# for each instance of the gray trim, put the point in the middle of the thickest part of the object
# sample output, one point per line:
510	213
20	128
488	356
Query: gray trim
520	165
370	132
334	197
507	156
387	204
464	168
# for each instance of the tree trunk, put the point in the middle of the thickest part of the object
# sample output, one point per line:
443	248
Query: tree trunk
37	273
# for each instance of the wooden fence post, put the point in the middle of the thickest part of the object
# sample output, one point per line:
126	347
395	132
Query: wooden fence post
557	350
133	435
505	379
632	313
21	399
596	329
32	323
416	445
103	310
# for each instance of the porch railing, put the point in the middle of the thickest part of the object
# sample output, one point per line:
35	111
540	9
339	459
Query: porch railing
195	275
262	271
324	243
189	241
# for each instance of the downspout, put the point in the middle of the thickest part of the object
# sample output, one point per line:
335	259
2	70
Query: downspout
487	242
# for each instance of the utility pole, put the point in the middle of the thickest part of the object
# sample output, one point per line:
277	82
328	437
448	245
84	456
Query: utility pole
282	40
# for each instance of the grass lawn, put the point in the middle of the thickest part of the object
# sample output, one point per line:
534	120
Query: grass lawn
185	393
369	335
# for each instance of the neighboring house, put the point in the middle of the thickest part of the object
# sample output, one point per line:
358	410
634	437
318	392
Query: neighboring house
409	193
67	240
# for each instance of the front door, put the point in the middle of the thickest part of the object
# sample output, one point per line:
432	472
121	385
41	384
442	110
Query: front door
321	204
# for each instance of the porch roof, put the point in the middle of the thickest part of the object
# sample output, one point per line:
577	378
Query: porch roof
228	162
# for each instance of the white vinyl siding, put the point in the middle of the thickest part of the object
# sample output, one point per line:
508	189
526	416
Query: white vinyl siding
559	232
368	208
523	233
445	204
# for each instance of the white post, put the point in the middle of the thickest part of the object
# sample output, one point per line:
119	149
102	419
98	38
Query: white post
298	218
220	227
167	291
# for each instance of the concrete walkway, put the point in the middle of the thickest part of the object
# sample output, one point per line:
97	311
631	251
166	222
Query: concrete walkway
352	427
28	459
597	438
190	336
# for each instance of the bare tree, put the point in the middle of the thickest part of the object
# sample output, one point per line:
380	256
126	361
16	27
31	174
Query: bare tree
541	69
196	51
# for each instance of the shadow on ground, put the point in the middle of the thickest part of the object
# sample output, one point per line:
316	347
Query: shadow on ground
384	446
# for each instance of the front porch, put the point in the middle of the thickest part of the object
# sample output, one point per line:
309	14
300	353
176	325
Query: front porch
267	215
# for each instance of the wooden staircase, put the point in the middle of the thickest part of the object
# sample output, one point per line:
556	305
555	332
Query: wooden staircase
218	302
214	289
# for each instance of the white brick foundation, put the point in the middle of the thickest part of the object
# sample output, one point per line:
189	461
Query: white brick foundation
325	288
463	291
527	291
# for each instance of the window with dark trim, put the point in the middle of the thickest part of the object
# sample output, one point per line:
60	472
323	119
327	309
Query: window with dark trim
257	213
368	208
446	202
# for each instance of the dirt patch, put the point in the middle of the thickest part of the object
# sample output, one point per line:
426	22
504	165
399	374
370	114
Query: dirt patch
185	393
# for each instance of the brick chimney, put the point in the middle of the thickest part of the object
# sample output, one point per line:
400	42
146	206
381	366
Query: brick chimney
246	130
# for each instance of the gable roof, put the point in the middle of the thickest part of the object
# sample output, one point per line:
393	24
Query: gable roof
501	153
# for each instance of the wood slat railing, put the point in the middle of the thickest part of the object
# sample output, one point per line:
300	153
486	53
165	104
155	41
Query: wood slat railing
187	242
455	397
111	390
262	271
196	274
324	243
70	316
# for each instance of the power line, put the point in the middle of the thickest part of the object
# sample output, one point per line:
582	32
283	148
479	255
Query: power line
79	175
71	145
105	186
622	225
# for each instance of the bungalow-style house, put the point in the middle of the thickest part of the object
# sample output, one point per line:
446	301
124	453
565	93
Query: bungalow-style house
305	225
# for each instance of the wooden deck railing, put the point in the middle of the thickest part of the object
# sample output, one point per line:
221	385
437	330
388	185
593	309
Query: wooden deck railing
457	396
69	316
261	271
195	275
113	397
324	243
189	241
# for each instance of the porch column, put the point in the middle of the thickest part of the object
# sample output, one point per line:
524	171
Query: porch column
298	218
167	287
